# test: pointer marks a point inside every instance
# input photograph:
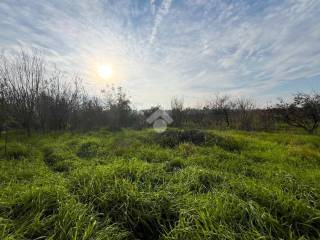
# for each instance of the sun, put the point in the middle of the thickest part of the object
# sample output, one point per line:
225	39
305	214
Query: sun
105	71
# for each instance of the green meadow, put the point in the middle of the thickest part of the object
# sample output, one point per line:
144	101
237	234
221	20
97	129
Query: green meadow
142	185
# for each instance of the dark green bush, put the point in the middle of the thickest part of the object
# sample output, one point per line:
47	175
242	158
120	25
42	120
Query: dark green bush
169	138
196	137
172	138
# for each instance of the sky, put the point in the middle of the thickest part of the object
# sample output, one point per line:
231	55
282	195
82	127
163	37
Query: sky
191	49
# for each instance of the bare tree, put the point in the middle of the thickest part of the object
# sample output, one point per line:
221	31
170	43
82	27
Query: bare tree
46	100
223	105
64	101
91	114
303	112
177	111
117	105
33	98
23	76
3	108
245	107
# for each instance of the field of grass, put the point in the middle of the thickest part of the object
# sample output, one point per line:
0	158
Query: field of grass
131	185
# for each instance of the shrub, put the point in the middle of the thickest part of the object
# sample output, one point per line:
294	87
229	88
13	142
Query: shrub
196	137
172	138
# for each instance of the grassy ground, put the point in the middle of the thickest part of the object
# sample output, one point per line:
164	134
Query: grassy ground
125	185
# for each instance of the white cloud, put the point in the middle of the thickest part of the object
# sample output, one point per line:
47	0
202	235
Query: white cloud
163	48
162	12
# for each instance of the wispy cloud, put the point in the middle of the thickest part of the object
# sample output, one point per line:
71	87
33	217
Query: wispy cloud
153	6
162	12
190	48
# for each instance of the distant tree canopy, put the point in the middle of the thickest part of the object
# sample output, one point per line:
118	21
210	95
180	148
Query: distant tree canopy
35	98
303	112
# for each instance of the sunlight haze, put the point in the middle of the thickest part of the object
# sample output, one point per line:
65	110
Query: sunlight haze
165	48
105	71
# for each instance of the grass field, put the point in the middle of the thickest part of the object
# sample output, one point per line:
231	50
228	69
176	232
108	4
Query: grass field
131	185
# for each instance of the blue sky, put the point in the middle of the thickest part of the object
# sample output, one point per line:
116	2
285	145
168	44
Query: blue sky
163	48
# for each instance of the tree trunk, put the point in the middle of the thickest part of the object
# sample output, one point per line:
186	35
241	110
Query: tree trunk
5	143
227	118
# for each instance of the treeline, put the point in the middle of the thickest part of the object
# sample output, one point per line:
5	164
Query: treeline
34	98
225	112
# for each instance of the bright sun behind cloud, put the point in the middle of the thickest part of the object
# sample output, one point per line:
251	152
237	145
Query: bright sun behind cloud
105	71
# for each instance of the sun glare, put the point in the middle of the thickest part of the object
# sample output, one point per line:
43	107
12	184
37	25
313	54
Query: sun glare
105	71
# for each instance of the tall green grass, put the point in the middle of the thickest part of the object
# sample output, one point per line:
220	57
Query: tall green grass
140	185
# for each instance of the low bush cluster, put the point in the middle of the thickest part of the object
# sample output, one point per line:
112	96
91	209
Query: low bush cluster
172	138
